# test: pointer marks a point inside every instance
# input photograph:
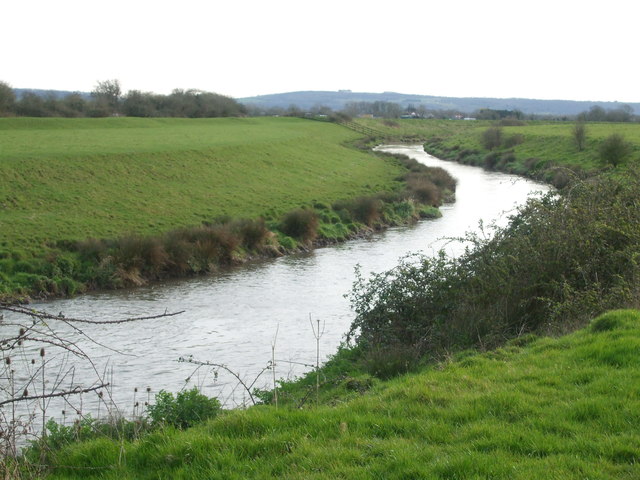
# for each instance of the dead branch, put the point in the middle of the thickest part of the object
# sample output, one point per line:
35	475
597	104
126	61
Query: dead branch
44	315
73	391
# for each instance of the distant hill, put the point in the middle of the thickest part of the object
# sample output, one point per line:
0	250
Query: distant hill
337	100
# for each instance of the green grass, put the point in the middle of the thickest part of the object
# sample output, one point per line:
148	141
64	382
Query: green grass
550	143
558	408
71	179
116	202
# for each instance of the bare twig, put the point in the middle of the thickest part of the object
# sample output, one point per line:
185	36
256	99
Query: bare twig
73	391
228	370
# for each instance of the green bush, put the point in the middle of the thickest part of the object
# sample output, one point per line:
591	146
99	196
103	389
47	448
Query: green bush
184	410
492	138
614	150
561	260
513	140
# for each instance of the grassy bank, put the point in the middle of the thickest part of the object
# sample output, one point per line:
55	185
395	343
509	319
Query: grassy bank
545	151
70	179
537	408
104	203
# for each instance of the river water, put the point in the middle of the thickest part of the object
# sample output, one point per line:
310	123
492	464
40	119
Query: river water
232	318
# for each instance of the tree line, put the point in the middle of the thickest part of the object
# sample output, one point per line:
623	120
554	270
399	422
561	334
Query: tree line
107	99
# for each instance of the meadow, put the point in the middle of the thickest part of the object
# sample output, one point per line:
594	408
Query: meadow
117	202
532	148
72	179
537	408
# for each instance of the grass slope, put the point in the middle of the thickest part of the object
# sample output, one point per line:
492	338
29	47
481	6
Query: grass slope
563	408
550	144
70	179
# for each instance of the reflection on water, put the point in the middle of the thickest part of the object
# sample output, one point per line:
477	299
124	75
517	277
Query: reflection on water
232	317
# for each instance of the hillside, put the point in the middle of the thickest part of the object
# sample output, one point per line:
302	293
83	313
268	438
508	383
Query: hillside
538	408
307	100
115	202
71	179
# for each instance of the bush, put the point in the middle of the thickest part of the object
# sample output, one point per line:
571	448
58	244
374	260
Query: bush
492	138
424	190
367	210
614	150
300	224
441	178
184	410
513	140
144	254
254	233
560	261
531	163
491	160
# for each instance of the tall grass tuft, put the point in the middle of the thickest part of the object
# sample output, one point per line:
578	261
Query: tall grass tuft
367	210
424	190
301	224
254	234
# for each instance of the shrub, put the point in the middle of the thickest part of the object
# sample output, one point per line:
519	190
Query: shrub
491	160
424	190
367	210
531	164
144	254
442	178
560	261
506	159
184	410
614	150
180	252
301	224
91	249
579	135
561	178
492	138
253	233
513	140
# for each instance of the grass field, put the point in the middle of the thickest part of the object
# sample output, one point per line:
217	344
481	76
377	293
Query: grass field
564	408
70	179
542	145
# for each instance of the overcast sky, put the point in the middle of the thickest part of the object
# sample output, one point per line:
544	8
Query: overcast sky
560	49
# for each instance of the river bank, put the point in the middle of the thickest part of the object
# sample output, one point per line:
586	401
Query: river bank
72	267
232	316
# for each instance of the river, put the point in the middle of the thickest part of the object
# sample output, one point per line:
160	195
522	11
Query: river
232	318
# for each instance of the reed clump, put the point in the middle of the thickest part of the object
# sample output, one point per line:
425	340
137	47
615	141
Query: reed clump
301	224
